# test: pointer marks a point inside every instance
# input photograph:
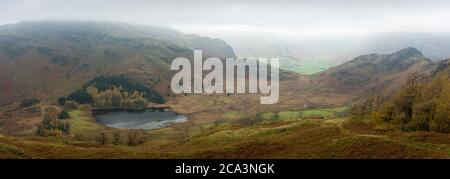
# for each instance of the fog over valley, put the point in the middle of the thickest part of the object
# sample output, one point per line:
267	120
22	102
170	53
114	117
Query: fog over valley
304	30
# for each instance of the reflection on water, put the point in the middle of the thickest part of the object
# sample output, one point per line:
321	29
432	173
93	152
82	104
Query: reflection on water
148	119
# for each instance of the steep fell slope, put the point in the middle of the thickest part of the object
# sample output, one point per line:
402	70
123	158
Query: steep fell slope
51	58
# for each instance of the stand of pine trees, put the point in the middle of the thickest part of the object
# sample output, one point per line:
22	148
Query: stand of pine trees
113	91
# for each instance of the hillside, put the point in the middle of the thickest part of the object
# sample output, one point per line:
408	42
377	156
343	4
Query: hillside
50	59
339	86
375	72
422	104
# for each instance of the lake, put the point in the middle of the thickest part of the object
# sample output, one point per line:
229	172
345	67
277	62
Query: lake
147	119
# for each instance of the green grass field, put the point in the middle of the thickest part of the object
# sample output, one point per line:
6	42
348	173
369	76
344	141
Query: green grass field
307	66
323	113
234	115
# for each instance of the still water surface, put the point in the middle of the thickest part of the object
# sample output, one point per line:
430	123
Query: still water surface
148	119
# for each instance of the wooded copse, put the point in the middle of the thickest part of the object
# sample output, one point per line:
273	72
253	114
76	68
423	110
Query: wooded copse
116	97
113	91
421	105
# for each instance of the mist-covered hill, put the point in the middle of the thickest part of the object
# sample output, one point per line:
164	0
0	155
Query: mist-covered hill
435	46
47	59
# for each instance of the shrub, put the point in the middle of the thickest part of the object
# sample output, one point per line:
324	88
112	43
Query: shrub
63	115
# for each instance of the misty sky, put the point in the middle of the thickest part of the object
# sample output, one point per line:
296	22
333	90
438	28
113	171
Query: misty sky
218	17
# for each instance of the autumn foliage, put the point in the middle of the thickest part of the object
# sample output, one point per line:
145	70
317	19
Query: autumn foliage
421	105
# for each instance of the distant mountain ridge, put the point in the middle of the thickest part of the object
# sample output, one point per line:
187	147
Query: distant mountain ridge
435	46
376	71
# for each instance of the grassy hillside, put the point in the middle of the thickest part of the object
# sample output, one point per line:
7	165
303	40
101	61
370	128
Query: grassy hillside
334	138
